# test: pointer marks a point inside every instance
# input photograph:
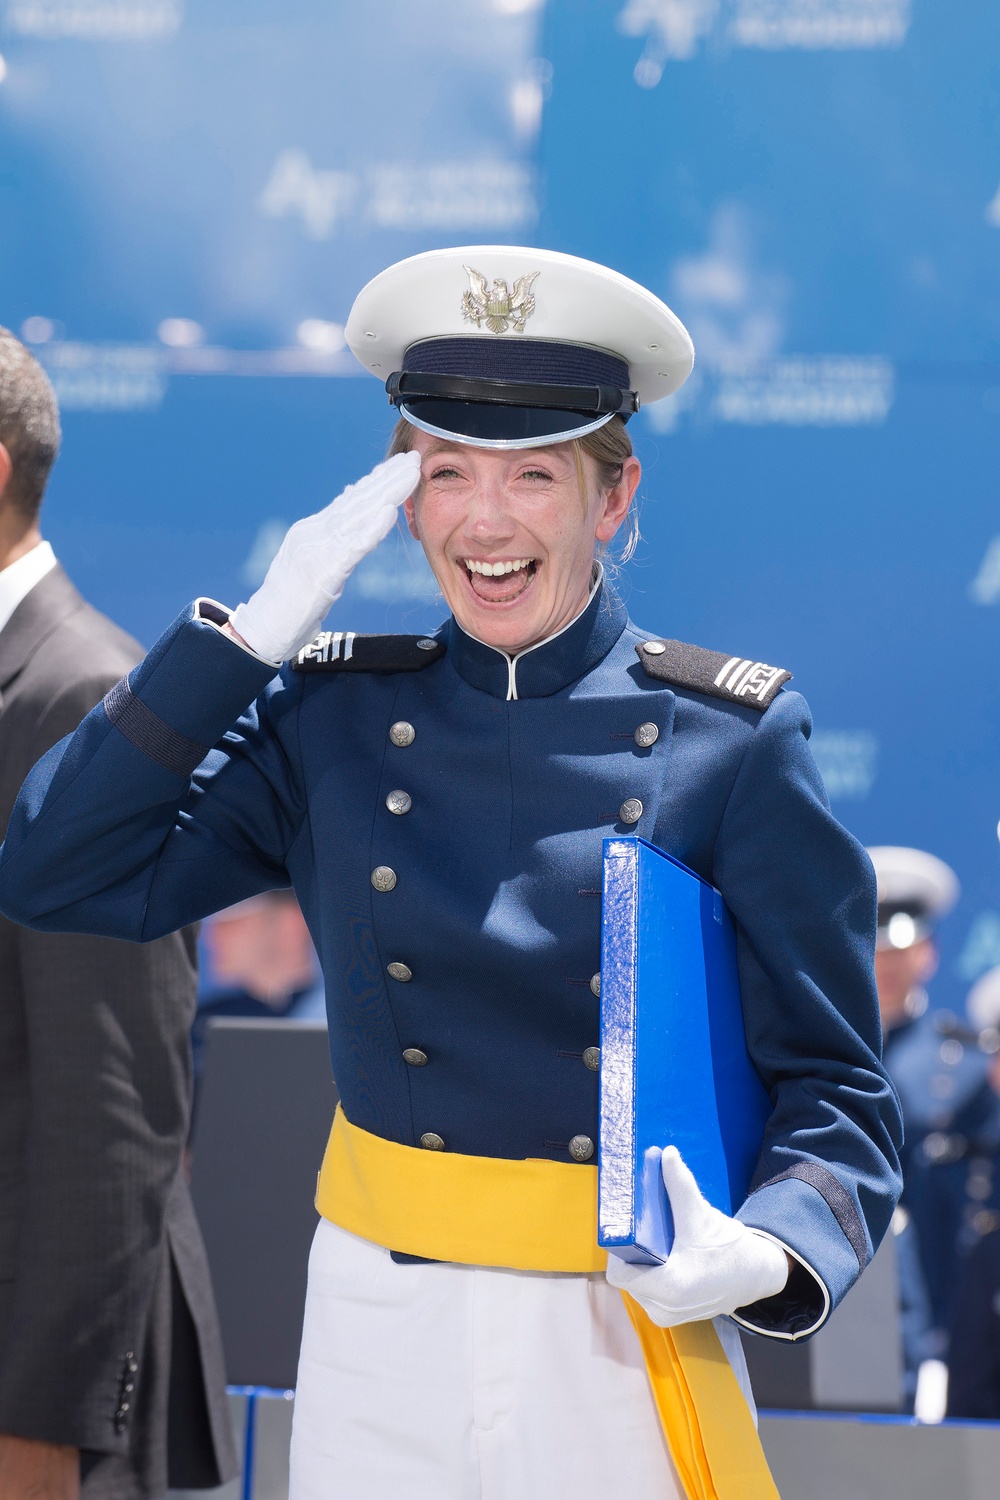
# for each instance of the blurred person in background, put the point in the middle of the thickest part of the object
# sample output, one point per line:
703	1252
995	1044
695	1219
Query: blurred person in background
915	890
941	1071
111	1371
974	1352
974	1361
260	961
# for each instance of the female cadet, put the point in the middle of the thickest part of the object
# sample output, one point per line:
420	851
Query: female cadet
439	804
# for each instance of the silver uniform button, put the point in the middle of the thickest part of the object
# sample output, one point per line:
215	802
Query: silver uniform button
592	1059
426	644
402	734
415	1056
402	972
399	802
383	879
431	1142
654	648
581	1148
630	810
646	735
595	985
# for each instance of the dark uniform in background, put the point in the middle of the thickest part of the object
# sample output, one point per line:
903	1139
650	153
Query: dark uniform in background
108	1334
974	1365
955	1186
974	1354
953	1134
941	1066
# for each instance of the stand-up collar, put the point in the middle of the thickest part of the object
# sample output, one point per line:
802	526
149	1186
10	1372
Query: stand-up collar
548	667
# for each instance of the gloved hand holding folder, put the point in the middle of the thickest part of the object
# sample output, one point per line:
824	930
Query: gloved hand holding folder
682	1106
715	1265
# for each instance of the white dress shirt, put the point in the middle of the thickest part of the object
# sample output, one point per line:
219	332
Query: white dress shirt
17	580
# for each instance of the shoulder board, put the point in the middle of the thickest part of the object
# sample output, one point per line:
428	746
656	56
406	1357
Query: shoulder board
344	651
737	679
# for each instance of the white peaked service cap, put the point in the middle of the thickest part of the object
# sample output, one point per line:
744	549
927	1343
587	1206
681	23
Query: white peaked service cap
915	889
502	346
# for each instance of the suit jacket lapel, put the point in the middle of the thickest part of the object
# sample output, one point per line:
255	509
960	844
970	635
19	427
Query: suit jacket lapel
50	602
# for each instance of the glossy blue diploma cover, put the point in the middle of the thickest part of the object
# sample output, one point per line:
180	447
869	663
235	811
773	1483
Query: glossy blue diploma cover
674	1064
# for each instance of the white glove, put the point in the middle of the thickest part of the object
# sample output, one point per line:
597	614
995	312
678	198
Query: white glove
716	1264
318	556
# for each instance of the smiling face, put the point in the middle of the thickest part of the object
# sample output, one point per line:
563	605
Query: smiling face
510	537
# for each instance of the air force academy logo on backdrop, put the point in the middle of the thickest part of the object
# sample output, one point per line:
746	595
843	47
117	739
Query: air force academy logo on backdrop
735	309
675	29
95	20
497	306
491	194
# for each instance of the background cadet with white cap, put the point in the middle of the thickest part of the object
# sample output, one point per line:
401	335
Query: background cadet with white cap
939	1069
439	804
915	890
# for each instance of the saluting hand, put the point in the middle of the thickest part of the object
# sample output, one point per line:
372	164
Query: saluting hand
716	1264
318	556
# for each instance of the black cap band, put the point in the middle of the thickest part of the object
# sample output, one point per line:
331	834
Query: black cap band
918	910
594	400
510	392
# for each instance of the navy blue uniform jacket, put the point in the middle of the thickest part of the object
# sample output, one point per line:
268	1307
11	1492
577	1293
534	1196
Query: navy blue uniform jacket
174	798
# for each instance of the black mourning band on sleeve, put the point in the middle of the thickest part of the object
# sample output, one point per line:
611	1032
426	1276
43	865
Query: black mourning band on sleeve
150	734
838	1200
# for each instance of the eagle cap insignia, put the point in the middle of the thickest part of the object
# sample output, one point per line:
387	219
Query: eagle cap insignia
497	306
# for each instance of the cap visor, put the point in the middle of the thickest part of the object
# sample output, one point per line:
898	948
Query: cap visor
484	426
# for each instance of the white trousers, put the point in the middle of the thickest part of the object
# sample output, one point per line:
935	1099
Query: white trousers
449	1382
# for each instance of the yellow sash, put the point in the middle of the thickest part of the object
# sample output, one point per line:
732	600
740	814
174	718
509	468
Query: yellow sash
542	1216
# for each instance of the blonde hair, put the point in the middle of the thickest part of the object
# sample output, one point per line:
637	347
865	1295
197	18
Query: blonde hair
608	447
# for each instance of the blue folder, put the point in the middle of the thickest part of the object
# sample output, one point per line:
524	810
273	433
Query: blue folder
674	1064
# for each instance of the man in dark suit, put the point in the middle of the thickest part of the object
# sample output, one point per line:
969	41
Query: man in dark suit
111	1371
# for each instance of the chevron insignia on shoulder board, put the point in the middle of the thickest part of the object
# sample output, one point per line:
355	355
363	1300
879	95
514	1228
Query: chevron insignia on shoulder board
737	679
346	651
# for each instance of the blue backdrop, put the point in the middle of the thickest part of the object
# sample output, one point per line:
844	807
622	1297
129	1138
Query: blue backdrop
191	195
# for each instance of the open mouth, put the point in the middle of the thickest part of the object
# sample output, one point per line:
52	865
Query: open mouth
500	582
